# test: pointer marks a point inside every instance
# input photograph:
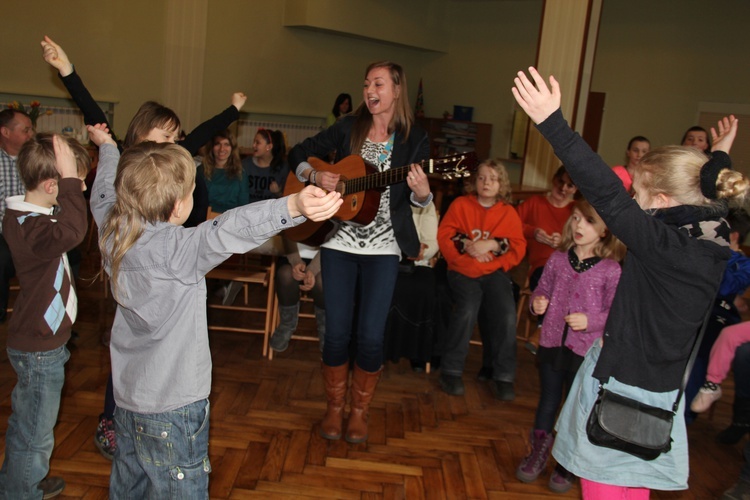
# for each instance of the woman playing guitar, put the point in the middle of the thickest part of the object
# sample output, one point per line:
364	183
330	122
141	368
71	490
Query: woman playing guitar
360	262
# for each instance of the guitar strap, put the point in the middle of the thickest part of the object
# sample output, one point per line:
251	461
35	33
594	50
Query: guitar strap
386	152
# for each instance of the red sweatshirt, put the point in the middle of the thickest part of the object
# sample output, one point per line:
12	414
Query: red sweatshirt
466	217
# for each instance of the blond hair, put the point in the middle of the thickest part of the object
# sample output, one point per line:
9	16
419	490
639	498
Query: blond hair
609	247
151	178
36	160
504	193
403	118
233	168
675	171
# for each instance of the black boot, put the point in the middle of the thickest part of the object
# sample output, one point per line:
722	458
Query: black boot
740	422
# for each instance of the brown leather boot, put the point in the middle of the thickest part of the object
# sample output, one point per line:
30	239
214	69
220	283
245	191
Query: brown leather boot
335	379
362	391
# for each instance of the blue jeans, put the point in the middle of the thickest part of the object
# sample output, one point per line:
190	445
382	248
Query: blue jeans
29	439
161	455
494	293
370	277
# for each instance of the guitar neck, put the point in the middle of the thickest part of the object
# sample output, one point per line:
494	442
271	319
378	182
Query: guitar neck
383	179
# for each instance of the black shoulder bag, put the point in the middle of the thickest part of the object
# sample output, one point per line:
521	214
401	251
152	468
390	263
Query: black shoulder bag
627	425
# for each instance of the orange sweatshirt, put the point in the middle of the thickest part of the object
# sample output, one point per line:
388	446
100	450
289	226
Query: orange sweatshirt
467	218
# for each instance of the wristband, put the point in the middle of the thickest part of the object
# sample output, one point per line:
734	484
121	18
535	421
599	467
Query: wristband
313	177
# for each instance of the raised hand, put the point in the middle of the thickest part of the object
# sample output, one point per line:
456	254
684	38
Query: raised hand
723	140
536	99
56	56
238	100
99	134
65	160
314	203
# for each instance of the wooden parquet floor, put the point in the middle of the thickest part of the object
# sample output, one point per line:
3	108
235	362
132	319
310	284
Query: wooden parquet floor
264	440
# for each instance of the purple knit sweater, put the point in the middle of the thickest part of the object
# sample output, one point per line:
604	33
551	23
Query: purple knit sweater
590	292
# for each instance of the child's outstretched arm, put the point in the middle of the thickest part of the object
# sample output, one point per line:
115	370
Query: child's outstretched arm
314	203
537	101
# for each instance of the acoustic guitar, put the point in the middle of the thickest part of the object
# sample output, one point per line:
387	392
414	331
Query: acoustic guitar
361	185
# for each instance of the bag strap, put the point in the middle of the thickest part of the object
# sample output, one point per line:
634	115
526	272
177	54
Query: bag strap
691	358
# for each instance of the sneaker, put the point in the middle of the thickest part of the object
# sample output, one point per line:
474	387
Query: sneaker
485	374
561	480
534	463
452	384
740	491
104	439
708	395
232	289
51	486
502	390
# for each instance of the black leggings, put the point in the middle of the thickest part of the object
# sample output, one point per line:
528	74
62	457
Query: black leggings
554	385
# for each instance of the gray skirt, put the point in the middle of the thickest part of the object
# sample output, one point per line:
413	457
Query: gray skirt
573	450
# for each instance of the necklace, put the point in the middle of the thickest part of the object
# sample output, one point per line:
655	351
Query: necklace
581	266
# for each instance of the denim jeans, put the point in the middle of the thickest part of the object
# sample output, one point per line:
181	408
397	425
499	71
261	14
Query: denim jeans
161	455
494	293
29	439
371	278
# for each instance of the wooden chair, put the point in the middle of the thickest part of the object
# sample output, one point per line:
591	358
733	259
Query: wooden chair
248	269
304	299
522	312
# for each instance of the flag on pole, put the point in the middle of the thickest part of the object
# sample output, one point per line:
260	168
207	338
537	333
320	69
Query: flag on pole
419	106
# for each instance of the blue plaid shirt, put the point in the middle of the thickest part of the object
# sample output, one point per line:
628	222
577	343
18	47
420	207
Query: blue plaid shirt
10	181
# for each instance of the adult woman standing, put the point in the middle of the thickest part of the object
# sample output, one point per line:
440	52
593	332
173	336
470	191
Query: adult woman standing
267	168
382	132
225	178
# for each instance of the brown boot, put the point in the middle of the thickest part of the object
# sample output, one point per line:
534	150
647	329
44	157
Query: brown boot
335	379
363	388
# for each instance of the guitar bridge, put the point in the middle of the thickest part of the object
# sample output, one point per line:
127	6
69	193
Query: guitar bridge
354	202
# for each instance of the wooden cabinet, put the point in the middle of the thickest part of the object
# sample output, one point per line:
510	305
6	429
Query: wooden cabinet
449	137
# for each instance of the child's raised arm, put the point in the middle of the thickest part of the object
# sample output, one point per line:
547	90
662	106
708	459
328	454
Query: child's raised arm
99	134
65	160
56	57
537	101
727	132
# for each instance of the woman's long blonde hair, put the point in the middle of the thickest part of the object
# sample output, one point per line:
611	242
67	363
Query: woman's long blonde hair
151	178
233	168
609	247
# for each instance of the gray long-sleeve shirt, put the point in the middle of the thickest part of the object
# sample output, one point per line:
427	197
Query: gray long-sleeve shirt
159	348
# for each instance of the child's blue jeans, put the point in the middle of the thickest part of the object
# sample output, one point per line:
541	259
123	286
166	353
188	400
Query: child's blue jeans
161	455
29	439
